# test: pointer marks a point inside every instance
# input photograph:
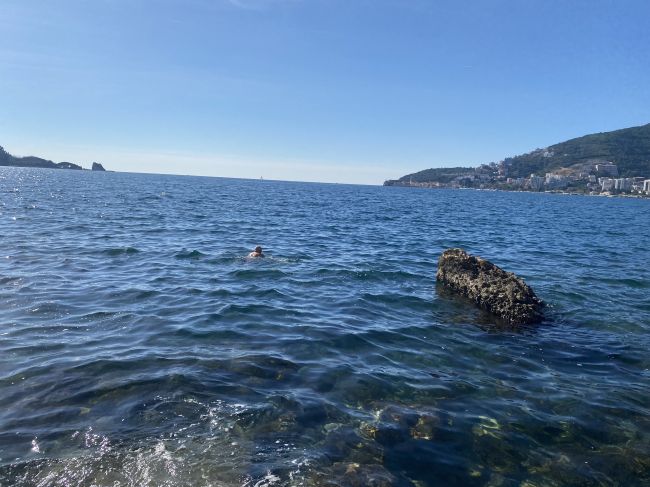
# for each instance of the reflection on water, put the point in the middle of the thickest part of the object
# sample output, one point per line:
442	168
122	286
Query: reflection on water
139	347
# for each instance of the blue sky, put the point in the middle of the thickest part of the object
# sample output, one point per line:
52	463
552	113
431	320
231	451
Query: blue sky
315	90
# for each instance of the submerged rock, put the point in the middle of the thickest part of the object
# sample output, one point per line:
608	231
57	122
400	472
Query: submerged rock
350	474
490	287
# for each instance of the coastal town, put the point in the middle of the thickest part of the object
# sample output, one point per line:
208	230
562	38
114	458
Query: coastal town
598	177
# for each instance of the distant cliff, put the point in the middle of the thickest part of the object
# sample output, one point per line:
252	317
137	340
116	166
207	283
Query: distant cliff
7	159
628	149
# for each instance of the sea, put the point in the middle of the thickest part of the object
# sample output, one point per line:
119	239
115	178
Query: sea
139	346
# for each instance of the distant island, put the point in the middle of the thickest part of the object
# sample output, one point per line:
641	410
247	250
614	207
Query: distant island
605	163
7	159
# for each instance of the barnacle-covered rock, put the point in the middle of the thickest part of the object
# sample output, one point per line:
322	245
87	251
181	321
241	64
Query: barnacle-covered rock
490	287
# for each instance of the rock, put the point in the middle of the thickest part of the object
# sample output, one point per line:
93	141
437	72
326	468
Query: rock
98	167
350	474
491	288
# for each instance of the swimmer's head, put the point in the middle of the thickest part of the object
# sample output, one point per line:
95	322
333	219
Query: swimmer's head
258	250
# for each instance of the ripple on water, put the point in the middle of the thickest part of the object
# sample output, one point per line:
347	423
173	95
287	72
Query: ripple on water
139	345
189	254
121	251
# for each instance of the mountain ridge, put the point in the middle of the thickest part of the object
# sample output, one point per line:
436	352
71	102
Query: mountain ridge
628	148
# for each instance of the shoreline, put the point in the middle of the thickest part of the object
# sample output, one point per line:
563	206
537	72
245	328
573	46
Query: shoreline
566	193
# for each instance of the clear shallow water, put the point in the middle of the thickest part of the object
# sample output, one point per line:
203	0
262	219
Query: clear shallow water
139	347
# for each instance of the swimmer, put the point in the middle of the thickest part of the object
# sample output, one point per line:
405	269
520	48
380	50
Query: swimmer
257	252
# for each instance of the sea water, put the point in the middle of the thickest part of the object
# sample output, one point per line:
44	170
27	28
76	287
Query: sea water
140	347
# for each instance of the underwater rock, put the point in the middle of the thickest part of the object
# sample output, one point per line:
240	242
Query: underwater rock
386	435
345	444
396	424
344	474
425	428
489	287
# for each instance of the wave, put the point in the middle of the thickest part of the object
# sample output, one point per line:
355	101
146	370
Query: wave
254	274
189	254
121	251
370	275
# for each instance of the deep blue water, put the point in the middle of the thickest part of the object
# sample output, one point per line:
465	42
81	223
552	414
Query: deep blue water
139	347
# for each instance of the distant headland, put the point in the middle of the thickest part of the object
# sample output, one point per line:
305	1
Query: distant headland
606	163
7	159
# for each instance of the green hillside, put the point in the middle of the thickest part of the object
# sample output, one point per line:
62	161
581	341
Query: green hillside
628	148
441	174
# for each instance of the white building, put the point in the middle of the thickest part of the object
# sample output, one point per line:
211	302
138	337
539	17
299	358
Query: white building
516	181
606	184
623	184
555	181
536	182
